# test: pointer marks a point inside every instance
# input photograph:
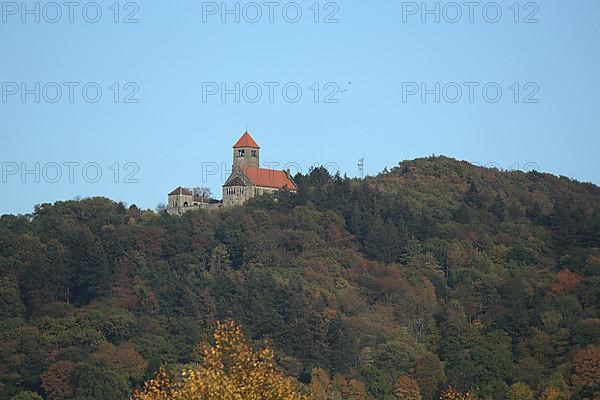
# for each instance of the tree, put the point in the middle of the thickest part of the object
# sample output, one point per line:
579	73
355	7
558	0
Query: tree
324	388
565	281
368	279
59	380
463	215
586	367
498	208
519	391
98	382
320	384
203	192
473	196
11	305
220	259
406	388
453	394
355	390
429	373
555	388
230	369
123	359
552	393
27	396
493	360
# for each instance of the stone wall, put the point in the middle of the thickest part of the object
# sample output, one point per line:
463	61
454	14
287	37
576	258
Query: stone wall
238	195
251	157
179	200
183	210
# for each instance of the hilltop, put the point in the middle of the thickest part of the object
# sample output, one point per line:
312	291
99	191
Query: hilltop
438	270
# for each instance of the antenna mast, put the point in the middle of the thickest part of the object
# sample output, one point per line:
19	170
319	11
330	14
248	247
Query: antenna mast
361	167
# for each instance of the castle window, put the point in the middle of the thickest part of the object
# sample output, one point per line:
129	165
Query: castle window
253	153
241	153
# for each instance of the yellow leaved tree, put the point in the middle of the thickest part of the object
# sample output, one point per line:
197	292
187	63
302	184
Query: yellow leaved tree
406	388
453	394
230	370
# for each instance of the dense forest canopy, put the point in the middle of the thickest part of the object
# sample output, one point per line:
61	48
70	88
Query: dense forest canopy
434	274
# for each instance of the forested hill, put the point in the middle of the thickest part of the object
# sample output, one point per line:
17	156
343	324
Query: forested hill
436	272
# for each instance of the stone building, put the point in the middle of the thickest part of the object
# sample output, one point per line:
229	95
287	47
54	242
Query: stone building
182	200
180	197
247	179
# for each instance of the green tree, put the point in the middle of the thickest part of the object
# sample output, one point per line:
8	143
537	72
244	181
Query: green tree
27	395
429	373
96	382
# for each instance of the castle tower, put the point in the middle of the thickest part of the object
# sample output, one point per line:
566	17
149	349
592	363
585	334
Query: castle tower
246	152
247	179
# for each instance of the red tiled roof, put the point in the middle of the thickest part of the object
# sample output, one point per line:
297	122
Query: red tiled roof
269	178
246	141
180	191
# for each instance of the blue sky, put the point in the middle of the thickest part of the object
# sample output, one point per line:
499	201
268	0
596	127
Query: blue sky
370	62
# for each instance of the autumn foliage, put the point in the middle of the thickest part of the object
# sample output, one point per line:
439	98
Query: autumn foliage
587	367
437	270
565	281
552	393
57	380
519	391
230	370
407	388
323	387
453	394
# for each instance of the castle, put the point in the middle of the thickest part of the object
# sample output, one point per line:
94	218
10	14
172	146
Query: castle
246	180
